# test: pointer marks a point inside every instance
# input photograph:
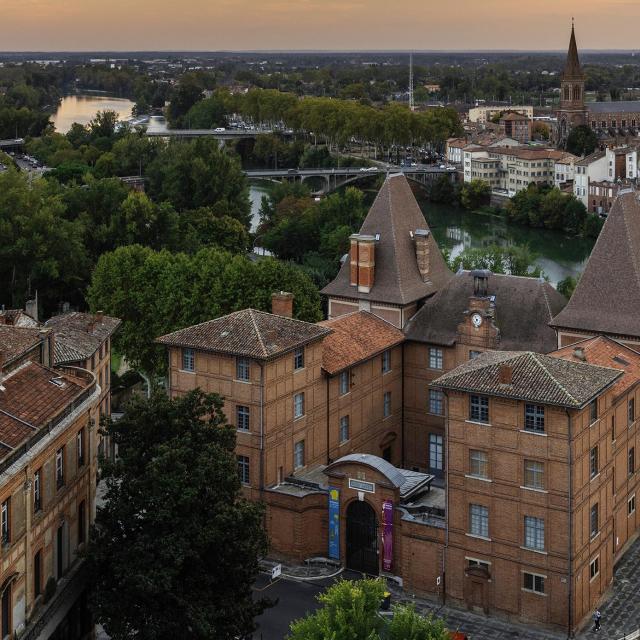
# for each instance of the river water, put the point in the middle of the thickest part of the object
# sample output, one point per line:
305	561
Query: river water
83	108
556	254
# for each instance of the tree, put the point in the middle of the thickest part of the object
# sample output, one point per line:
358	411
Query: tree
350	611
156	292
175	549
582	141
567	286
475	194
517	261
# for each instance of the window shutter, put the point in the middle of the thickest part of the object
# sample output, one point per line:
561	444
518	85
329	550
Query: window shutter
17	516
48	482
70	462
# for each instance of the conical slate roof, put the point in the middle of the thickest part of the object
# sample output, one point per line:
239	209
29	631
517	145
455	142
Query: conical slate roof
393	218
607	298
572	68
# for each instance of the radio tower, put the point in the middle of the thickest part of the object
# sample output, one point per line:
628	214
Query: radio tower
412	105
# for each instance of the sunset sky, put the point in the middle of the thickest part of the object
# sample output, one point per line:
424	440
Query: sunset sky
45	25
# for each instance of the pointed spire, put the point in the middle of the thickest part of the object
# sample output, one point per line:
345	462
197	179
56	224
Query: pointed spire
572	67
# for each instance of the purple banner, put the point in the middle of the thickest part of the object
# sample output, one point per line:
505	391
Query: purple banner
387	535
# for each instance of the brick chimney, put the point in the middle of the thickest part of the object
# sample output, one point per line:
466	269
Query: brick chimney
423	257
47	347
282	304
505	374
481	282
362	261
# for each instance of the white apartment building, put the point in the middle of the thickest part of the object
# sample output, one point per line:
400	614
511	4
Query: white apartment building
483	114
564	169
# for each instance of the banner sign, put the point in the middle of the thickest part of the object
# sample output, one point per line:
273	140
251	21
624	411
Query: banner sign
334	523
387	535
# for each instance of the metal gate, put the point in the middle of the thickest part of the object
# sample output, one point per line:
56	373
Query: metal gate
362	538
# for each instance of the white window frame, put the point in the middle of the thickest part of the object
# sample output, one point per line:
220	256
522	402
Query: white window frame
484	463
188	356
594	564
344	429
344	380
298	405
80	447
60	467
534	576
436	402
243	369
436	358
298	454
479	521
631	505
386	404
37	490
537	474
298	359
240	410
386	361
244	469
5	522
534	533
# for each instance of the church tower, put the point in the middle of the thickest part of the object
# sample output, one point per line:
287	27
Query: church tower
572	112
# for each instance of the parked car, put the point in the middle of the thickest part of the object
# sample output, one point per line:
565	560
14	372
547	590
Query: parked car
219	129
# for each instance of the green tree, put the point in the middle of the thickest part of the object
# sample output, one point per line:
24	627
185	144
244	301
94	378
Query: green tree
474	194
582	141
567	286
350	611
156	292
200	174
175	549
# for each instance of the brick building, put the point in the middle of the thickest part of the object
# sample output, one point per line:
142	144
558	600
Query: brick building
48	415
516	126
394	262
453	453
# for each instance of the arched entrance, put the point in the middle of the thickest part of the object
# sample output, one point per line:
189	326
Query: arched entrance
362	538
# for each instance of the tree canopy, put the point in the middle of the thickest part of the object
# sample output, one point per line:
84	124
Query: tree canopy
175	547
156	292
350	611
582	141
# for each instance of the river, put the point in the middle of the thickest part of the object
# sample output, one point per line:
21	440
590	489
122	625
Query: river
556	254
83	107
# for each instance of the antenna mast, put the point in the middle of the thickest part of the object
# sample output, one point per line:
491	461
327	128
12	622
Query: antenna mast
412	105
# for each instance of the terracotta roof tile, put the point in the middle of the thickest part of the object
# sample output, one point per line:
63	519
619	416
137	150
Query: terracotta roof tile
16	341
249	333
535	377
32	396
356	337
394	215
605	352
79	335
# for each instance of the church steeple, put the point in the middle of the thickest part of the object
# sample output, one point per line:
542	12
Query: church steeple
572	68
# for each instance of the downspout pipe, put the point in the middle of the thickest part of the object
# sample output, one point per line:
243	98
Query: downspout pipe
570	579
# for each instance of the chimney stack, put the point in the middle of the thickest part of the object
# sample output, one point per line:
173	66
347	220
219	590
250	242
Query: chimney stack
99	316
505	374
362	261
47	347
31	308
282	304
423	257
481	282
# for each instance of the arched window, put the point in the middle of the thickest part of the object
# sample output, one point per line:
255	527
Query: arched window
566	92
576	92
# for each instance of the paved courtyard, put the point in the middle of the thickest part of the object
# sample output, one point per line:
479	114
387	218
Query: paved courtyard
620	614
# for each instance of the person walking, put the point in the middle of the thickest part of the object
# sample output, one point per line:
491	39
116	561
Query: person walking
596	620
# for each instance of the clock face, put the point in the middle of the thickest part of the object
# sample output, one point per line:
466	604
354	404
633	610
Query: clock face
476	319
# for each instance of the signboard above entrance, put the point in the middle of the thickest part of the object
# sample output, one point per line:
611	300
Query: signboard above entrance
361	485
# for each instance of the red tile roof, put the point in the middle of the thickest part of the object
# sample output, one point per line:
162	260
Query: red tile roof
605	352
356	337
16	341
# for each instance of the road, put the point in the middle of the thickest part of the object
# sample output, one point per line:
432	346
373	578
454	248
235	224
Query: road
293	600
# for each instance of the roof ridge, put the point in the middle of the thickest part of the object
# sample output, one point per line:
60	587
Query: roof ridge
393	236
630	242
557	382
258	333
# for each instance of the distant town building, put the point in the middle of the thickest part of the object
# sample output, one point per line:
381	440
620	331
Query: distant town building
516	126
486	113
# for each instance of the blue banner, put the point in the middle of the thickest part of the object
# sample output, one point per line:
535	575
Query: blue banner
334	523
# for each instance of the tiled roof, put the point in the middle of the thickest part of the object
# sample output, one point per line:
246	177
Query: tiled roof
394	215
587	160
524	307
535	377
605	352
249	333
33	395
15	341
356	337
512	115
624	106
607	298
17	317
79	335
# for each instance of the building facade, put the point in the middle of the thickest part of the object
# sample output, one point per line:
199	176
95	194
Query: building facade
48	418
